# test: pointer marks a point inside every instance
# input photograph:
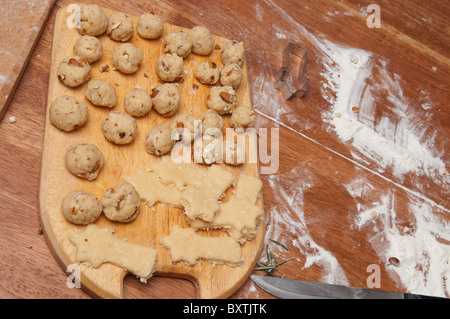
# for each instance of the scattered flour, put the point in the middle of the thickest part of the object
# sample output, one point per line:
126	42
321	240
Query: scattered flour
397	146
389	143
280	35
423	255
286	218
259	12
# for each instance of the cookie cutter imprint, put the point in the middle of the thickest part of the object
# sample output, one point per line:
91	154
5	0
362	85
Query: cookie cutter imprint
285	81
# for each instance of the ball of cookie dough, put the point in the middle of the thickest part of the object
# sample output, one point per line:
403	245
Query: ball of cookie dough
202	40
119	127
67	113
178	43
89	48
101	93
73	71
81	208
184	127
120	27
222	99
233	153
211	148
169	67
159	140
242	117
231	75
233	52
93	20
150	26
207	72
166	99
84	161
138	102
211	122
127	57
121	203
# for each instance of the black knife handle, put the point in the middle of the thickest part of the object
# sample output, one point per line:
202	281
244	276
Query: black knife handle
413	296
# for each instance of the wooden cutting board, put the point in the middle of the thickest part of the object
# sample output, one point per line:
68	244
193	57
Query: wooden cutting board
211	281
22	24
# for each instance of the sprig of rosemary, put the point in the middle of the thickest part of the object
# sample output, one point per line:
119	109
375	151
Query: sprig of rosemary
272	262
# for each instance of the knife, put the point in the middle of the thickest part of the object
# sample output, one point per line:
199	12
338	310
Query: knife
296	289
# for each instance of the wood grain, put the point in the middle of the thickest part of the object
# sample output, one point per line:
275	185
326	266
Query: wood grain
413	37
211	281
25	21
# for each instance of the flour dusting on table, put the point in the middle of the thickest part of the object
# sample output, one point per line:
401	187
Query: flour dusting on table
287	218
390	143
400	146
422	255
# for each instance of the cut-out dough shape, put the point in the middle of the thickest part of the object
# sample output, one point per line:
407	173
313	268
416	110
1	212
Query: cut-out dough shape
96	246
183	185
185	244
202	201
240	215
152	190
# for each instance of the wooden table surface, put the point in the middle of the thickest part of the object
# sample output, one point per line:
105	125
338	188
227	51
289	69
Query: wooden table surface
360	195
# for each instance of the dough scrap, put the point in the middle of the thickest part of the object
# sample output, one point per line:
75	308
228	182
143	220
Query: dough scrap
177	174
96	246
249	187
240	215
152	190
185	244
202	201
196	190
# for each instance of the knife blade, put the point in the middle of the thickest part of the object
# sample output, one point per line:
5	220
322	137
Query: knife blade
297	289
